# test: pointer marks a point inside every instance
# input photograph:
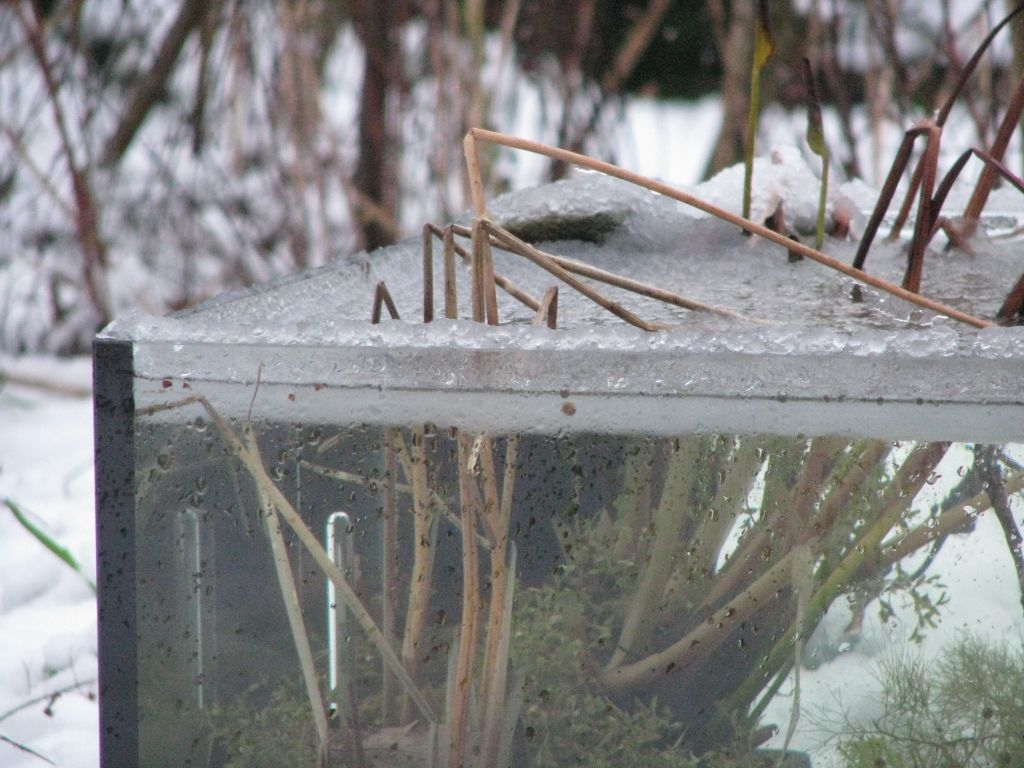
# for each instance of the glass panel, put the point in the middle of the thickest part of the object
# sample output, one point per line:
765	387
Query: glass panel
422	595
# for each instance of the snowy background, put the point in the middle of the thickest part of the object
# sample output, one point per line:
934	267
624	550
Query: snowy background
48	710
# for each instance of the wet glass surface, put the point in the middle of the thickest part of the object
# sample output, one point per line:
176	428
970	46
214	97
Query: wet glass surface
311	588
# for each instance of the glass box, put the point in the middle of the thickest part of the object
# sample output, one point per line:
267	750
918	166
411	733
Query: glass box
733	541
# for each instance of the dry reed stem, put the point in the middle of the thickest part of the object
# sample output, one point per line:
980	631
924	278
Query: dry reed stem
421	579
951	520
650	291
512	243
500	280
987	179
389	568
476	179
253	465
929	163
494	672
451	299
547	312
344	476
428	274
459	715
485	300
293	610
381	295
526	145
629	284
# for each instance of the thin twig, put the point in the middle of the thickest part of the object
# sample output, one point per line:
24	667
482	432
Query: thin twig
512	243
629	284
996	490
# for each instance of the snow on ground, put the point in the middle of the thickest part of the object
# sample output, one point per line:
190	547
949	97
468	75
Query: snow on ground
47	611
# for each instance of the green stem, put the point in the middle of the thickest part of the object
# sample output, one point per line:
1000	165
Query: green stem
819	236
48	541
748	164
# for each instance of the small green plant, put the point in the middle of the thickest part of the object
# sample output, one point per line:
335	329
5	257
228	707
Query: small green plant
62	552
816	141
965	710
764	45
268	731
567	718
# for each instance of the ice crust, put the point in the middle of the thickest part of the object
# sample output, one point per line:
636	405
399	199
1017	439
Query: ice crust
656	240
809	341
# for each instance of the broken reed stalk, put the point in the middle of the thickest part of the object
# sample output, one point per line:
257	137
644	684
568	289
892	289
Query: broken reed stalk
951	175
451	299
547	312
644	289
381	296
1012	309
500	280
512	243
428	274
253	465
575	158
885	195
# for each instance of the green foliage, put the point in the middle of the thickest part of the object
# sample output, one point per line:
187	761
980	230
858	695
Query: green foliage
566	719
268	732
564	631
60	551
920	589
963	710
